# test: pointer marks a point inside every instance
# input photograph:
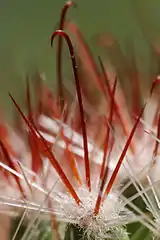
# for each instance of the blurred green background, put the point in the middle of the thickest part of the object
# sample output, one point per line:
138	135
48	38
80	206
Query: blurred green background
26	27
